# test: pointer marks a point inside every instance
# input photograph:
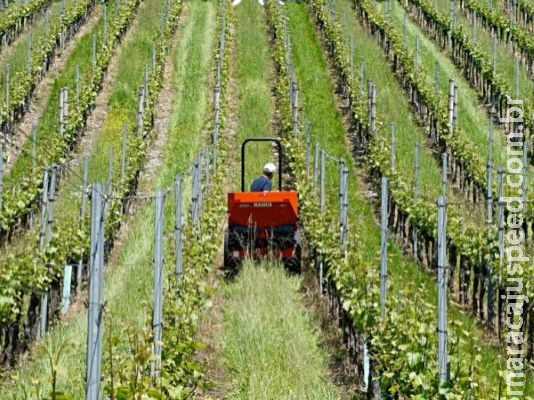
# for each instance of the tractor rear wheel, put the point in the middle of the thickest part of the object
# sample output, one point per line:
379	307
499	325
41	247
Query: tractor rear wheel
294	264
231	264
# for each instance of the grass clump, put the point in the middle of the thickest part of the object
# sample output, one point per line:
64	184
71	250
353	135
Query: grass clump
269	344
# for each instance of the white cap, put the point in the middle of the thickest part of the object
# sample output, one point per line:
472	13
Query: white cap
269	168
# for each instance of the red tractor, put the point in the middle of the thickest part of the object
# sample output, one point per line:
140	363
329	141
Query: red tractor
262	224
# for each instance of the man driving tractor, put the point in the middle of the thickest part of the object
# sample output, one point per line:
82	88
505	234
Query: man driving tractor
264	183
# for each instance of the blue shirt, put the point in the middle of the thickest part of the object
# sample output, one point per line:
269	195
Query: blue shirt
262	184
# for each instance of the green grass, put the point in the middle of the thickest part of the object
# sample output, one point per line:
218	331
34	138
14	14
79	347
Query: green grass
128	280
471	114
18	57
320	107
269	344
254	76
268	347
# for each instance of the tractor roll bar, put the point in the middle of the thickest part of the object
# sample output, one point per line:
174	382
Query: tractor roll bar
261	139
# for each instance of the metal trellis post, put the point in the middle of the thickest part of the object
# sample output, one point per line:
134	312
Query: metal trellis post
178	226
157	321
94	315
308	141
392	150
444	173
383	246
323	194
123	153
1	177
316	168
442	291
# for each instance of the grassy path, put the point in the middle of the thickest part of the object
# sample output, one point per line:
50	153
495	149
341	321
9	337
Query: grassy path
320	108
269	344
128	280
254	77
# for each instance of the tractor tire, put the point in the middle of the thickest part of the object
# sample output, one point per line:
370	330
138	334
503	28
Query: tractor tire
294	264
231	265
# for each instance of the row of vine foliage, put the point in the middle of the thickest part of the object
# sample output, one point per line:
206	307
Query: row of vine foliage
21	194
185	299
476	64
45	49
403	347
467	166
475	164
470	250
500	24
17	15
527	10
28	272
